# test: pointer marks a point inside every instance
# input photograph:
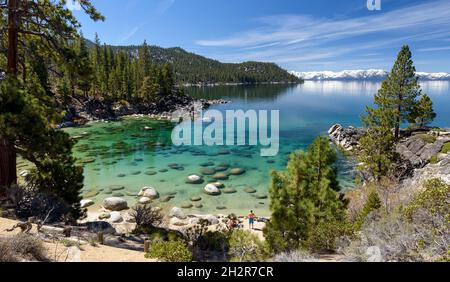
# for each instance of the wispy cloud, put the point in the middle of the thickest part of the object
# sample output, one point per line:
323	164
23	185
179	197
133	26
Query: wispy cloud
302	38
434	49
163	6
127	36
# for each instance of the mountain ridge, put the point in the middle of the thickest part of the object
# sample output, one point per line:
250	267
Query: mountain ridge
369	74
191	68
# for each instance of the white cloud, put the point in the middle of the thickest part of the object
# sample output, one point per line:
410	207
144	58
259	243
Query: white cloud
299	38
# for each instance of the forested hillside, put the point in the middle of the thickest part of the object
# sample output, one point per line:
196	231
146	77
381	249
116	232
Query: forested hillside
190	68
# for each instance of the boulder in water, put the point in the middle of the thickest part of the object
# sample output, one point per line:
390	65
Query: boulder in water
116	187
220	176
187	206
207	171
229	190
237	171
196	198
212	190
148	192
250	190
194	179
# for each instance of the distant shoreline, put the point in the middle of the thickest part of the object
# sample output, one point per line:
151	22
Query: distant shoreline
238	83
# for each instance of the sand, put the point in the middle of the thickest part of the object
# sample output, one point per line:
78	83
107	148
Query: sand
88	253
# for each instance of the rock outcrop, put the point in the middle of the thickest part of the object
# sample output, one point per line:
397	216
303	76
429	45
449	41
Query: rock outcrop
418	152
81	109
345	137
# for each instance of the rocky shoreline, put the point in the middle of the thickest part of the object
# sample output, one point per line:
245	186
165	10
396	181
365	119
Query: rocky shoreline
83	110
116	213
421	151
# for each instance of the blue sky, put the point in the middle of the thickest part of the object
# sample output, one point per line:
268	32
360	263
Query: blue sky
303	35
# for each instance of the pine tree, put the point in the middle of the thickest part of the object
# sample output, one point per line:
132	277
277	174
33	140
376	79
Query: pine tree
423	112
377	147
304	196
400	90
27	113
373	203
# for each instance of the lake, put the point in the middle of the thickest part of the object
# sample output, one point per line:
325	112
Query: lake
122	155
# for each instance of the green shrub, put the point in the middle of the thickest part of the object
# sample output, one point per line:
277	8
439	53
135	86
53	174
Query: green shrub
246	247
426	138
373	203
170	251
324	235
434	159
446	148
444	258
433	199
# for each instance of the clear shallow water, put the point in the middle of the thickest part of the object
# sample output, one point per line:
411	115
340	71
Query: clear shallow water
123	154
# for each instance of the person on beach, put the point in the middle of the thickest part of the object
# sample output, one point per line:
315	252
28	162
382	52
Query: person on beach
251	219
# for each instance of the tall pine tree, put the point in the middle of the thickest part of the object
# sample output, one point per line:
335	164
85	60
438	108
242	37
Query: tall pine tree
28	117
303	196
400	90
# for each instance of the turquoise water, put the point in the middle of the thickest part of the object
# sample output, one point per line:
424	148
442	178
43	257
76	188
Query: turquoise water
122	154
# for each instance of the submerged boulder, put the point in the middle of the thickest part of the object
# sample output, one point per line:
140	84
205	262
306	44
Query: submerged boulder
237	171
194	179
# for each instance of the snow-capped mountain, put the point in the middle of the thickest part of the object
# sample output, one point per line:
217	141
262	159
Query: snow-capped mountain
370	74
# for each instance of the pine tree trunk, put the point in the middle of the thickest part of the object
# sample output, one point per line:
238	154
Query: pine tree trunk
8	174
397	124
12	37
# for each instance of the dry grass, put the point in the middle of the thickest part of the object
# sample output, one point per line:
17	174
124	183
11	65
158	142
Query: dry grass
22	247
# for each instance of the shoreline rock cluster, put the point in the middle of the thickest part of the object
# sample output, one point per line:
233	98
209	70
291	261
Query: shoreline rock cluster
345	137
174	107
420	151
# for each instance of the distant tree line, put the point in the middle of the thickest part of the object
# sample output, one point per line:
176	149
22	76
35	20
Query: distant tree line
190	68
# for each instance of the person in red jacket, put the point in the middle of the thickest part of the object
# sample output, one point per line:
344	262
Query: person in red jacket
251	219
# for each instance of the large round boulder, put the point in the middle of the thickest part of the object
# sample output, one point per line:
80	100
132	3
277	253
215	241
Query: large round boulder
177	212
149	192
115	204
194	179
211	189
